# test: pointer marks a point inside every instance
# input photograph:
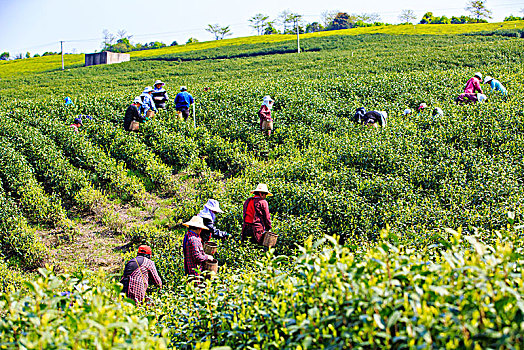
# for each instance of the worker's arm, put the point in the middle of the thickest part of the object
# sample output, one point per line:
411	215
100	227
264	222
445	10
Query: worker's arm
191	99
266	217
153	275
215	233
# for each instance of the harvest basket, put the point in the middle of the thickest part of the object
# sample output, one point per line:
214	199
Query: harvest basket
210	248
211	265
134	126
270	239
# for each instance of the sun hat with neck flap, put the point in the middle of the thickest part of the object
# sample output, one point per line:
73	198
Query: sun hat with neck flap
213	205
262	188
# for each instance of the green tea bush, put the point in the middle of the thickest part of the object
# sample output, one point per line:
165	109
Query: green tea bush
19	178
128	148
19	243
55	312
388	296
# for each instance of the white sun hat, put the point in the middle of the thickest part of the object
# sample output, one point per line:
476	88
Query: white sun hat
438	111
268	99
159	82
196	221
213	205
262	188
478	75
137	100
481	97
487	79
148	89
407	111
183	88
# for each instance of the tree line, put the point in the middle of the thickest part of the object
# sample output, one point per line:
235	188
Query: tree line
288	22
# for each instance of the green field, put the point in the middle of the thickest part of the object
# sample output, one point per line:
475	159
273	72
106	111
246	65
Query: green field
405	237
50	63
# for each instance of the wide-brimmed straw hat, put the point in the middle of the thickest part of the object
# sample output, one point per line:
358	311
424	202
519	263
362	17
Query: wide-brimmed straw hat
159	82
213	205
487	79
262	188
196	221
148	89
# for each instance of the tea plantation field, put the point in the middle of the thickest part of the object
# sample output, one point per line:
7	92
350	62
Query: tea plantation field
405	237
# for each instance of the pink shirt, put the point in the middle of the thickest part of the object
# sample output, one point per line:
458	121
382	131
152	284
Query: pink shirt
473	86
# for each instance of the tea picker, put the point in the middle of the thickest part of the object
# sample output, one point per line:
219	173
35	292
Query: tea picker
183	100
138	273
194	256
495	85
148	105
371	118
264	113
159	94
133	116
257	220
208	215
472	91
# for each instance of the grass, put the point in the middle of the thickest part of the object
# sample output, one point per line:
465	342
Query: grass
53	63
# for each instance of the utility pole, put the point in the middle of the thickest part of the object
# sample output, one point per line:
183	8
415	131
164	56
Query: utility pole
298	37
62	52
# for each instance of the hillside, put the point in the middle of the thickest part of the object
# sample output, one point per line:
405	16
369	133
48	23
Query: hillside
50	63
405	236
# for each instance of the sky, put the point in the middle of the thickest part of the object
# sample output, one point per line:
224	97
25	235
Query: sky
37	26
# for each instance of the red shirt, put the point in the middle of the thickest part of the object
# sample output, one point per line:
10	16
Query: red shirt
259	209
250	212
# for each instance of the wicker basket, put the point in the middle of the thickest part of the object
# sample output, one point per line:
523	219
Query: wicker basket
211	265
210	248
270	239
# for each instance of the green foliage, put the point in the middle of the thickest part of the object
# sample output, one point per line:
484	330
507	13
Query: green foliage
56	312
388	296
18	242
18	177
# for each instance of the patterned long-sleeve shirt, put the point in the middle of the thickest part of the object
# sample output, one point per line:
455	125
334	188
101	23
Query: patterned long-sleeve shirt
194	255
147	103
137	279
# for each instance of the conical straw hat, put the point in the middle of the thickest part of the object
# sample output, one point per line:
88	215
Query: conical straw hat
196	221
262	188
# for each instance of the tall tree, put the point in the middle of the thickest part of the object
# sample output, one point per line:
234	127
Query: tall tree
328	17
314	27
369	17
407	16
478	9
259	23
4	56
283	19
109	39
122	34
27	55
342	21
218	31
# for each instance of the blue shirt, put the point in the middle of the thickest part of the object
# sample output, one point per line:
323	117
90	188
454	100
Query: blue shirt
496	85
183	100
147	103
